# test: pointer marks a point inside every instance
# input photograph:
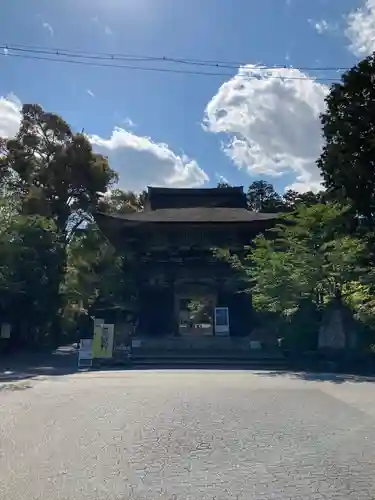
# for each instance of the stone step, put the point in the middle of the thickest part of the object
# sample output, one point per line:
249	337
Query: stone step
168	361
206	354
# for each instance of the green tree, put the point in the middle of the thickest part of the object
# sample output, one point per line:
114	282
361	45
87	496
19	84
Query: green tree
310	256
54	169
291	199
262	197
96	276
29	260
348	158
55	176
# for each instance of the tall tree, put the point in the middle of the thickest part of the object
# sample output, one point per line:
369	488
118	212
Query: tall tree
54	169
262	197
29	277
96	276
56	176
348	158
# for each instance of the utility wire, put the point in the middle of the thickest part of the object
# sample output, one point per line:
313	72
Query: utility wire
100	61
122	66
160	70
143	58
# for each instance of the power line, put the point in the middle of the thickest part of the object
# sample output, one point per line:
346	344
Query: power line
160	70
56	52
122	66
147	58
99	61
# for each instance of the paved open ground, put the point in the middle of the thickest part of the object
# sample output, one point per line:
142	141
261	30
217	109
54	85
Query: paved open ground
187	435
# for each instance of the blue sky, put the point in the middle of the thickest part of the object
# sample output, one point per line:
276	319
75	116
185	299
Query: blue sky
180	129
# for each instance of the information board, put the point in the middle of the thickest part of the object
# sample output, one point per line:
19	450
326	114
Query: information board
103	341
221	321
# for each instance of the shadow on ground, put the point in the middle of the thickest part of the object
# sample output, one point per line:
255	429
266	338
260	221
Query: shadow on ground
336	378
27	365
63	361
309	376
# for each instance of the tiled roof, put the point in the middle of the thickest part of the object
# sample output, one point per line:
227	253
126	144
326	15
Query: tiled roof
191	215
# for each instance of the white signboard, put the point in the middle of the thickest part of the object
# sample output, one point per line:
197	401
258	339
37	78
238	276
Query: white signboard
221	321
85	353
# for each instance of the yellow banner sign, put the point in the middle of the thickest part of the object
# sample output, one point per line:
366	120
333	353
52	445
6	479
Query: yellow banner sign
102	346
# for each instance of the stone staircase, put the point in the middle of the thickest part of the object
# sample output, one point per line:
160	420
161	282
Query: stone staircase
205	352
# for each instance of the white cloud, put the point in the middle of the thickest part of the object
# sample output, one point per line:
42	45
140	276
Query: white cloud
10	115
49	28
138	160
323	26
90	92
271	119
128	122
361	29
107	30
141	162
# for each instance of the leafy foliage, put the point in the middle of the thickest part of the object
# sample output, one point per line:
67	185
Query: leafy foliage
122	202
308	258
55	181
294	272
348	159
96	273
54	170
262	197
292	199
223	184
29	278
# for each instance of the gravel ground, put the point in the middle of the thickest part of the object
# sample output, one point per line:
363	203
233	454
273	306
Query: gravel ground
189	434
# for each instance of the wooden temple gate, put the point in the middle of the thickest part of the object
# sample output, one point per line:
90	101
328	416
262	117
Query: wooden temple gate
180	281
